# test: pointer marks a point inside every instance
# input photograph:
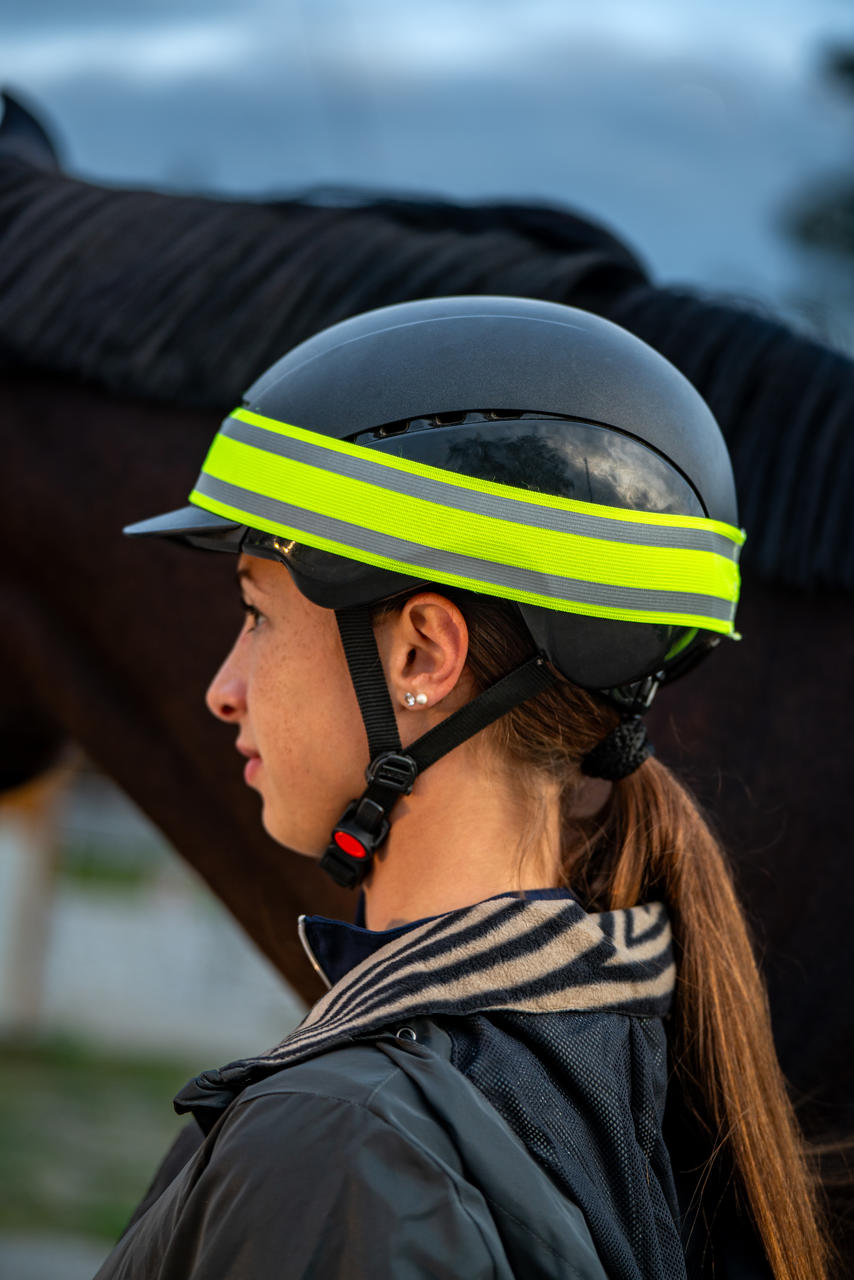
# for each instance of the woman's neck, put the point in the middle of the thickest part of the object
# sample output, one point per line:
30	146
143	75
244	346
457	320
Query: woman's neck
466	833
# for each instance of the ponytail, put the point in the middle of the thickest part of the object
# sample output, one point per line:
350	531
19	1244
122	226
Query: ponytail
723	1051
652	842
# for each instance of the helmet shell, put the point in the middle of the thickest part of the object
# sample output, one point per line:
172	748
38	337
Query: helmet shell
514	390
449	355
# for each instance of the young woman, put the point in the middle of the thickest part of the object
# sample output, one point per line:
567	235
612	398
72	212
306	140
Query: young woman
474	536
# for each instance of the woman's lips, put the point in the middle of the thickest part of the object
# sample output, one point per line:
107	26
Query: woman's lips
251	767
253	761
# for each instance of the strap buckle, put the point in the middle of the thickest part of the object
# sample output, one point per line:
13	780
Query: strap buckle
364	823
357	835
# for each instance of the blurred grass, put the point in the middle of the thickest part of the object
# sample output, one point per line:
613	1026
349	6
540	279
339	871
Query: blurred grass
83	1132
93	865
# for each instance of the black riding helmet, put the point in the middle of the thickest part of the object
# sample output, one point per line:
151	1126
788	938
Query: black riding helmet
512	447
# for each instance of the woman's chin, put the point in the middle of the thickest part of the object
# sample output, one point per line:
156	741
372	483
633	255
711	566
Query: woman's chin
284	834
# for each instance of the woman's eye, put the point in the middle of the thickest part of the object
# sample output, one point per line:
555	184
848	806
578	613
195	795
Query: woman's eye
253	614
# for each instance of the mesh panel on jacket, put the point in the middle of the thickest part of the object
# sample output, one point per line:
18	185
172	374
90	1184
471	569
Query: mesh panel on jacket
585	1093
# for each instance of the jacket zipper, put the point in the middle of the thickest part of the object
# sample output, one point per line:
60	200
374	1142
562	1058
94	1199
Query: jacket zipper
313	960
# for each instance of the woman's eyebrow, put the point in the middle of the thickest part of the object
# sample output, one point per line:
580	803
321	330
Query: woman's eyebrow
246	574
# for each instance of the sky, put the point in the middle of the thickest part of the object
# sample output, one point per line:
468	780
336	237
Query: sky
687	127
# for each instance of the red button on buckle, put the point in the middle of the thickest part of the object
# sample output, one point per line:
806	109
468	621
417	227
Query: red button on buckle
350	844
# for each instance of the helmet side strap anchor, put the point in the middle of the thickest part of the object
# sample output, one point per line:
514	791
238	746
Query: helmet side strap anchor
364	825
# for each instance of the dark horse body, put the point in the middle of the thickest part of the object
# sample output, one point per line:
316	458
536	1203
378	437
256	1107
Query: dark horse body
130	321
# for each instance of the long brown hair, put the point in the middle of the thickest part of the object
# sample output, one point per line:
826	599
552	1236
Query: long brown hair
650	841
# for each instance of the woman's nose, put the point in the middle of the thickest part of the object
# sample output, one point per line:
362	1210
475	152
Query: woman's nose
226	695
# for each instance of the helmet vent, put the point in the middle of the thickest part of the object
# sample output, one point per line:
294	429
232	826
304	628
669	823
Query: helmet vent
391	429
429	421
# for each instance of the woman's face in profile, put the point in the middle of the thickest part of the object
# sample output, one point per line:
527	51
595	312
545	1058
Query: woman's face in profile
286	689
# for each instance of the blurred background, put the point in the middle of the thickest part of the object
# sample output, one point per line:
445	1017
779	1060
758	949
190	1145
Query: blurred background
715	138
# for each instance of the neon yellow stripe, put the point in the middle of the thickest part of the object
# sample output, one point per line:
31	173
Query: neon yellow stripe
468	533
452	579
488	486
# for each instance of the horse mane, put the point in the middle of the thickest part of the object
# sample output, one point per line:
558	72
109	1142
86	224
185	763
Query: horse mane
185	299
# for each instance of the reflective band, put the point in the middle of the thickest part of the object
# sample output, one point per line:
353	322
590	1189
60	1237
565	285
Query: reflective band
424	521
420	484
572	595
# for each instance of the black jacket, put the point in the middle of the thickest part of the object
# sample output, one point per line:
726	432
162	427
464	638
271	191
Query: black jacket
376	1160
518	1133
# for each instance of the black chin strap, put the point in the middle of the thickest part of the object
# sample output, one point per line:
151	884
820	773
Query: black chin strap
366	672
364	824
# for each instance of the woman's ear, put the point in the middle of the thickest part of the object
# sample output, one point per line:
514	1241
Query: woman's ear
424	650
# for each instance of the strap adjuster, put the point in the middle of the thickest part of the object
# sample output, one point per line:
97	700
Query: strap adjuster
393	770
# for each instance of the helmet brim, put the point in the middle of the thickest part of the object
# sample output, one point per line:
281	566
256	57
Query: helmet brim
182	523
192	527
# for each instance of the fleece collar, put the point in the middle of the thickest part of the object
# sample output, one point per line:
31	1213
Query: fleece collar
334	947
509	954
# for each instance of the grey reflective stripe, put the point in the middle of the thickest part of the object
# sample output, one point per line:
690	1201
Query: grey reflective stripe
516	510
428	560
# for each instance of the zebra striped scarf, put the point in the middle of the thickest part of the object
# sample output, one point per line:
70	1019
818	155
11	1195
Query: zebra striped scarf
508	954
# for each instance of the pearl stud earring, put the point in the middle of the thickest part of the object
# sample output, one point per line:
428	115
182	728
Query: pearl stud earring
415	699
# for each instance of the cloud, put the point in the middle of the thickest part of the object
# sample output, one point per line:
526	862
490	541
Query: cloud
367	39
147	54
446	37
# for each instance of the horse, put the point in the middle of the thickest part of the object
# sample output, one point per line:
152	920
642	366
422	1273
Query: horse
132	320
